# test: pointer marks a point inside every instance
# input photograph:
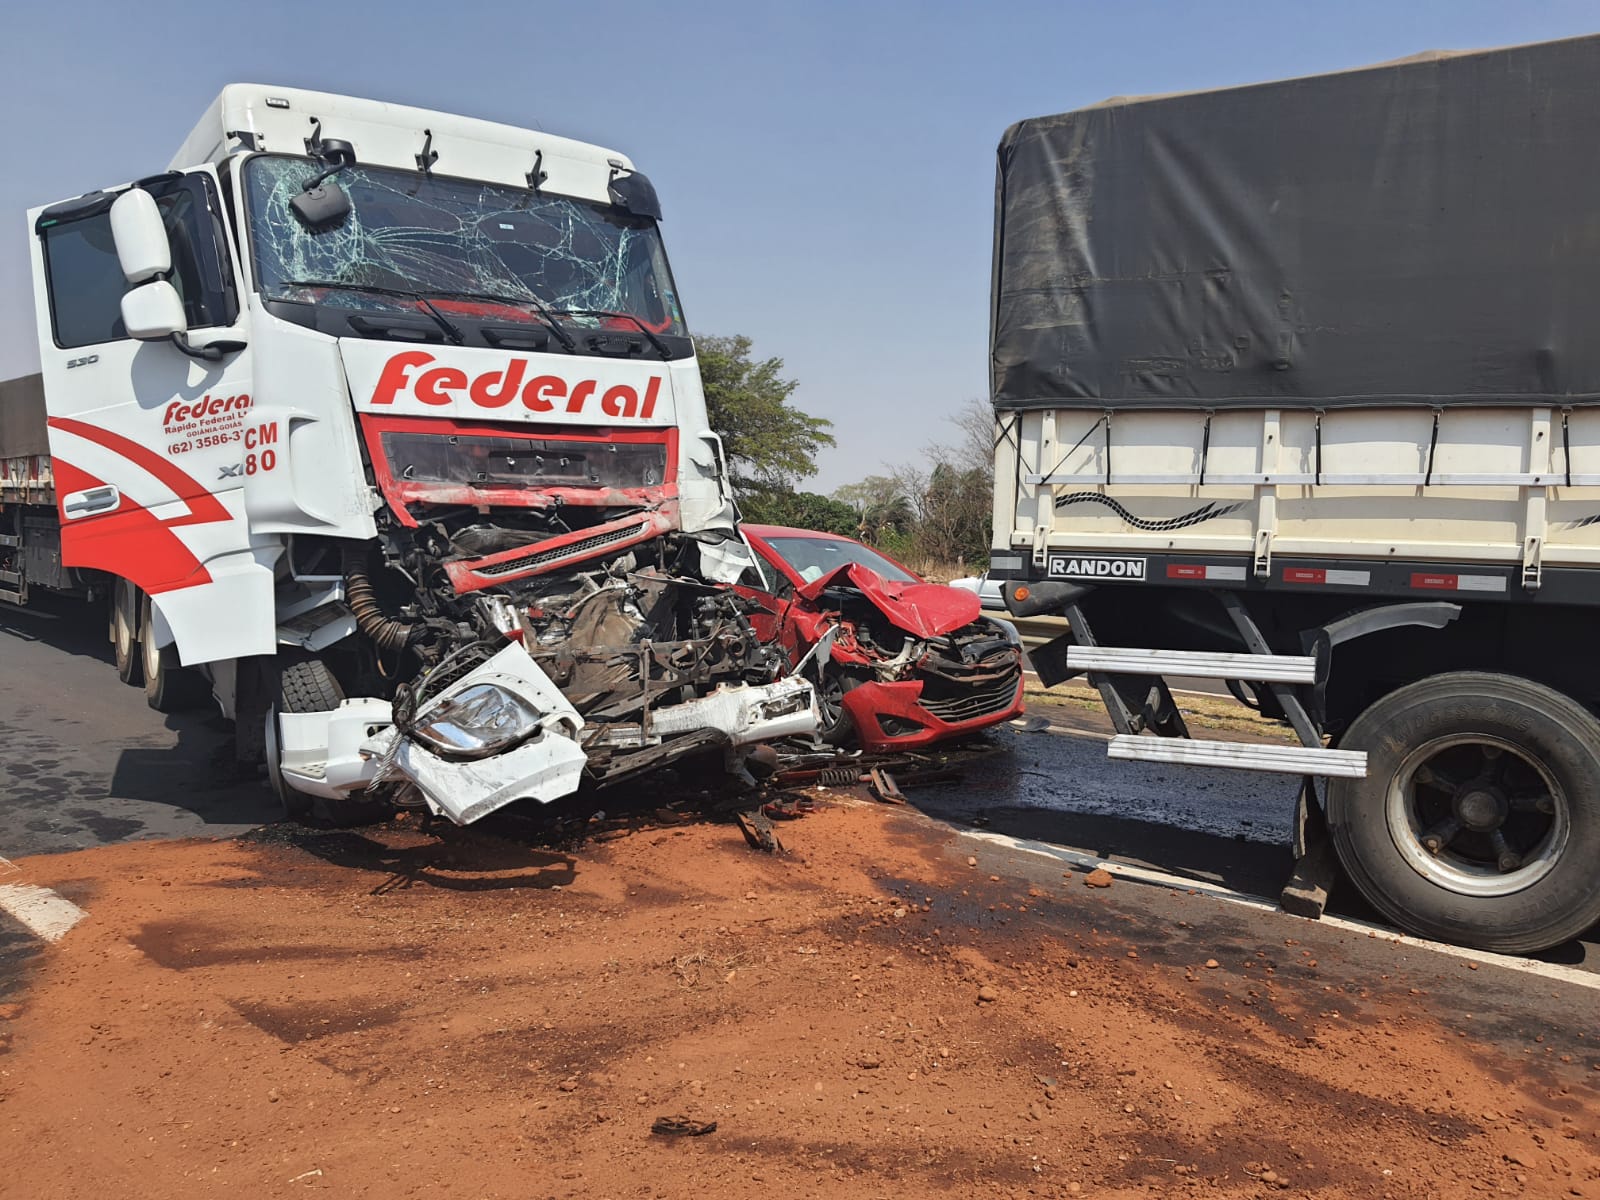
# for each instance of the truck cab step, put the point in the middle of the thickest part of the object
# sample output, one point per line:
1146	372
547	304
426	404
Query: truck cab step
1197	664
1240	756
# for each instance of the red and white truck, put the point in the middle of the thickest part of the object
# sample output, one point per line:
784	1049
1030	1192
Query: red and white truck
1297	386
382	427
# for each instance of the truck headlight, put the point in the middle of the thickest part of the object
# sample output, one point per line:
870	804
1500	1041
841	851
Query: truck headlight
478	721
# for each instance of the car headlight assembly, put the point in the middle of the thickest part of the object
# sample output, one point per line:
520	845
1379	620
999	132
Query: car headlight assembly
477	722
1006	628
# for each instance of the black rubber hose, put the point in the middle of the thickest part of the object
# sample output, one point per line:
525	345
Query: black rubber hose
388	632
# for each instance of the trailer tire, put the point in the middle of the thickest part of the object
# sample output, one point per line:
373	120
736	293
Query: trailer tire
1479	819
169	687
125	633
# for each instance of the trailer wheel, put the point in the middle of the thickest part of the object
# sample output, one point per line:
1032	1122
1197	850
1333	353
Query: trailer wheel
124	633
1479	819
168	687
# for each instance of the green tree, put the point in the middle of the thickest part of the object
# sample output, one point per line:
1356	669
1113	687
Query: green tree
770	445
950	492
881	505
956	511
803	510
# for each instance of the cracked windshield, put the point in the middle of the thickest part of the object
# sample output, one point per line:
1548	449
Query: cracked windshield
434	236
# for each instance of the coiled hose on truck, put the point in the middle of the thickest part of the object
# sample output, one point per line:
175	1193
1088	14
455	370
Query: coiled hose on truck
387	632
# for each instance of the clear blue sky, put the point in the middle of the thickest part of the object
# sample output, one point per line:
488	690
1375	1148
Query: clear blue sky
826	169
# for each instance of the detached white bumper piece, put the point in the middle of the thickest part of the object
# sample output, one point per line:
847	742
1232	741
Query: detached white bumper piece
505	732
747	714
455	757
329	753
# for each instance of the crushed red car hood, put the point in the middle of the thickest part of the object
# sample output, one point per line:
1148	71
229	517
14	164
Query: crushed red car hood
923	609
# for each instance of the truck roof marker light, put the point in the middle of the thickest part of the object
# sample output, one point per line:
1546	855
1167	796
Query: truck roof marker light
277	102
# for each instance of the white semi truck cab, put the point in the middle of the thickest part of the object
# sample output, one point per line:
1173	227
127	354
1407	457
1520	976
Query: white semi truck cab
389	421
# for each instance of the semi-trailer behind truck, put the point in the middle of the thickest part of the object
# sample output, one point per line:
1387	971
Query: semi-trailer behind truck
1297	386
382	429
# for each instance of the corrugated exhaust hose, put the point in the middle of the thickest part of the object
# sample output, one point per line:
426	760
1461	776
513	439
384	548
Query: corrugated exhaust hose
388	632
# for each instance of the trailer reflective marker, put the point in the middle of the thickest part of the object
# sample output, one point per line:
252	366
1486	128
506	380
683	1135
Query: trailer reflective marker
1458	583
1210	572
1326	576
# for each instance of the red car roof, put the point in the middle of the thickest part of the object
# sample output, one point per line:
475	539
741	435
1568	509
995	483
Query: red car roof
766	531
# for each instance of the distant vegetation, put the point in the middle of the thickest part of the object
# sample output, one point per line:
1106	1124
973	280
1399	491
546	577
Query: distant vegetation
933	514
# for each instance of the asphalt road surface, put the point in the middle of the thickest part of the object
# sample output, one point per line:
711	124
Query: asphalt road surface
85	762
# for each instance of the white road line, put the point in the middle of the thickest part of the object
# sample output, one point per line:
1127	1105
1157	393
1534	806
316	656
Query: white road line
1087	862
41	910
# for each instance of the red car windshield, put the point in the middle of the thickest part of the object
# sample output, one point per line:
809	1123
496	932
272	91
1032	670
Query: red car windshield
813	557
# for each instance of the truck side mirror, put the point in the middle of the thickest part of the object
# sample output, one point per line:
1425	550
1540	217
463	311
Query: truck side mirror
140	236
153	311
633	192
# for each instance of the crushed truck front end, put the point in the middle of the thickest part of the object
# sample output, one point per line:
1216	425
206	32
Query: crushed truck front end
426	483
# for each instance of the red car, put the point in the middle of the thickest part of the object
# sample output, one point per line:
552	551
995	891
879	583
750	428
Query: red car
913	662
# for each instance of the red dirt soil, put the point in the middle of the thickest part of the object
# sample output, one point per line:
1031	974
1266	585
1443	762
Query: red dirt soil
391	1014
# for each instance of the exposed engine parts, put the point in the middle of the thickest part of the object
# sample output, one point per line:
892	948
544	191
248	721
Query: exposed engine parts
621	636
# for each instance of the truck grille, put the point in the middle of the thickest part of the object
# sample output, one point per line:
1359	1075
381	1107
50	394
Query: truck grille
585	548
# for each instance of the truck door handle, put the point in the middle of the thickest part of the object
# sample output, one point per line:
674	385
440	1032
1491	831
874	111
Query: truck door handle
93	500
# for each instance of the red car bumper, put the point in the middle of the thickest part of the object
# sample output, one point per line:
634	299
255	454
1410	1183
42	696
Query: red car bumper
894	716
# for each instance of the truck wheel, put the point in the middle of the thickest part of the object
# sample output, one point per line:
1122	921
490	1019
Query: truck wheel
1479	819
124	633
304	686
168	687
307	686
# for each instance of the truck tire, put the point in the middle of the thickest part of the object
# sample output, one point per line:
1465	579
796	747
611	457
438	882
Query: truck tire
125	633
168	687
306	685
1479	819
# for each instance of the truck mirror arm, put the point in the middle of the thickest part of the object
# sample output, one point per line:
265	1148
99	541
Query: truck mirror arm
211	352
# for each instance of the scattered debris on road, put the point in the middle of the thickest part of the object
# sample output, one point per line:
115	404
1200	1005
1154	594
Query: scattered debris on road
682	1127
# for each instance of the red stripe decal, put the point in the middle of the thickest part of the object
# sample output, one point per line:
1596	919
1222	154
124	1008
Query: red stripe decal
1304	575
1185	571
1437	583
128	542
203	506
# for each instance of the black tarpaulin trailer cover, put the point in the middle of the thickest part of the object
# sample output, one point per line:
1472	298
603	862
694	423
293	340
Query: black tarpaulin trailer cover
1420	232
